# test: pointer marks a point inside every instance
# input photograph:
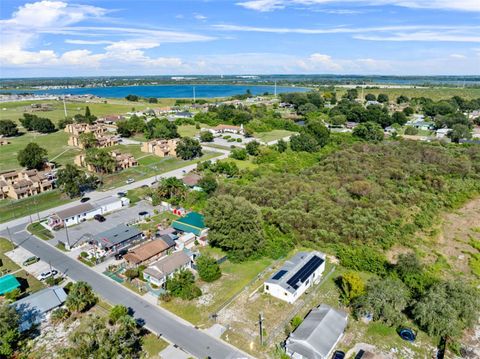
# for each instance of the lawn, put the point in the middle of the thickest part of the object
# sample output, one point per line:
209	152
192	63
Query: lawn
235	276
152	345
272	135
243	165
15	110
55	144
41	232
151	168
7	264
188	130
10	209
155	220
31	283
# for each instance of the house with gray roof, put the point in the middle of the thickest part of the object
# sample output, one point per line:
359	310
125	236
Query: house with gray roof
35	308
158	272
296	275
117	238
318	335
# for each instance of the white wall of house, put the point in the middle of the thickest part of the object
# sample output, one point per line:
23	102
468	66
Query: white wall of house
70	221
279	292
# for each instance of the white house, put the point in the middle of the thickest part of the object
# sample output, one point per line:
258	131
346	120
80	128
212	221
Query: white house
442	132
158	272
296	276
318	335
226	129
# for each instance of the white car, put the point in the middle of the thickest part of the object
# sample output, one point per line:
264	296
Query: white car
130	180
47	274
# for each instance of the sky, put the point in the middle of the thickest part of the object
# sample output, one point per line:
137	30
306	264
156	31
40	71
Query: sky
183	37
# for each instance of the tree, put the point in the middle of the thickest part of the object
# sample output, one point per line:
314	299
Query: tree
411	131
206	136
189	148
133	98
101	159
338	120
385	299
306	109
370	97
303	142
72	181
208	183
351	94
152	100
399	117
160	128
369	131
239	154
382	98
123	129
9	332
253	148
80	297
32	156
281	146
59	315
352	286
8	128
116	312
235	226
402	99
208	268
43	125
319	131
447	309
459	132
171	189
408	111
131	274
182	285
88	140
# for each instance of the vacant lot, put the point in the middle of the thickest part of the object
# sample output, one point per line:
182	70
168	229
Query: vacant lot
55	144
272	135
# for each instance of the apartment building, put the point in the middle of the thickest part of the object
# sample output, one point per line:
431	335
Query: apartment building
122	161
26	183
161	148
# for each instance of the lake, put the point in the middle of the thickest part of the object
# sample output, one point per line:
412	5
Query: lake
166	91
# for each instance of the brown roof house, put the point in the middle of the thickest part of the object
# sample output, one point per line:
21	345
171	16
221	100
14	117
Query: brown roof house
26	183
158	272
148	252
98	130
191	179
161	148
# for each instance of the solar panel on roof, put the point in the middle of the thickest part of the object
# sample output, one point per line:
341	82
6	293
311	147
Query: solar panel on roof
279	274
305	272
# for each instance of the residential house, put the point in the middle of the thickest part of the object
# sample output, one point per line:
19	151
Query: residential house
192	222
158	272
122	161
148	252
85	211
115	239
99	131
296	276
319	333
191	179
35	308
26	183
442	132
226	129
161	148
186	240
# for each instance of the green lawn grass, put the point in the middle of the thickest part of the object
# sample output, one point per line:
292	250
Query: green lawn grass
33	284
157	219
55	144
272	135
188	130
243	165
7	264
41	232
152	345
10	209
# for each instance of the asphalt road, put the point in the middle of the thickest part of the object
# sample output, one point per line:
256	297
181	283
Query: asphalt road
156	319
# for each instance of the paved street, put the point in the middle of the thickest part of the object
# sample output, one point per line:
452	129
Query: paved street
156	319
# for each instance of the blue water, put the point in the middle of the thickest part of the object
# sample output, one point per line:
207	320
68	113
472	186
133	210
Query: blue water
165	91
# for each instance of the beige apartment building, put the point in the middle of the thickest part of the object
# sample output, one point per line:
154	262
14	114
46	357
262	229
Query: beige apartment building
26	183
161	148
122	161
99	130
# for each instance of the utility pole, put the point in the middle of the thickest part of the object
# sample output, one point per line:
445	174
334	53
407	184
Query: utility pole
260	325
10	237
68	238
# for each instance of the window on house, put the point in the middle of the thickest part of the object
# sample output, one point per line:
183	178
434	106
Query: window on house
266	287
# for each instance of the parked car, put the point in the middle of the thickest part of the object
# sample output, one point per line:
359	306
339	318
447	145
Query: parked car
99	217
142	213
30	260
360	354
120	254
121	194
338	355
407	334
47	274
85	199
130	180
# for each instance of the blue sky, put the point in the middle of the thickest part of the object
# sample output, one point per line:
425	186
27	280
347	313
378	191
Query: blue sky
159	37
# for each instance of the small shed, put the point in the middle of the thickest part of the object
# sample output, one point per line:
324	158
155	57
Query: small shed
193	222
8	283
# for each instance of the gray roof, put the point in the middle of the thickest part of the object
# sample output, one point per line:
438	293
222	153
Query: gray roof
117	235
318	334
33	308
73	211
167	265
106	201
169	239
291	267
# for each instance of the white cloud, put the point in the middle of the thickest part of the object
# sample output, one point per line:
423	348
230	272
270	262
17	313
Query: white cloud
200	17
461	5
320	62
422	36
87	42
457	56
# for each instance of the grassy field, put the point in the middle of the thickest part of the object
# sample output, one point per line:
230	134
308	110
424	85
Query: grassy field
38	230
152	345
243	165
7	264
10	209
15	110
55	144
272	135
234	277
155	220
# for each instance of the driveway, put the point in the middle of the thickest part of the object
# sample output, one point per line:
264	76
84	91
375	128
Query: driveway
85	231
19	255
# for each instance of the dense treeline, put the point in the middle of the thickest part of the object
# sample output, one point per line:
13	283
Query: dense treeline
373	194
